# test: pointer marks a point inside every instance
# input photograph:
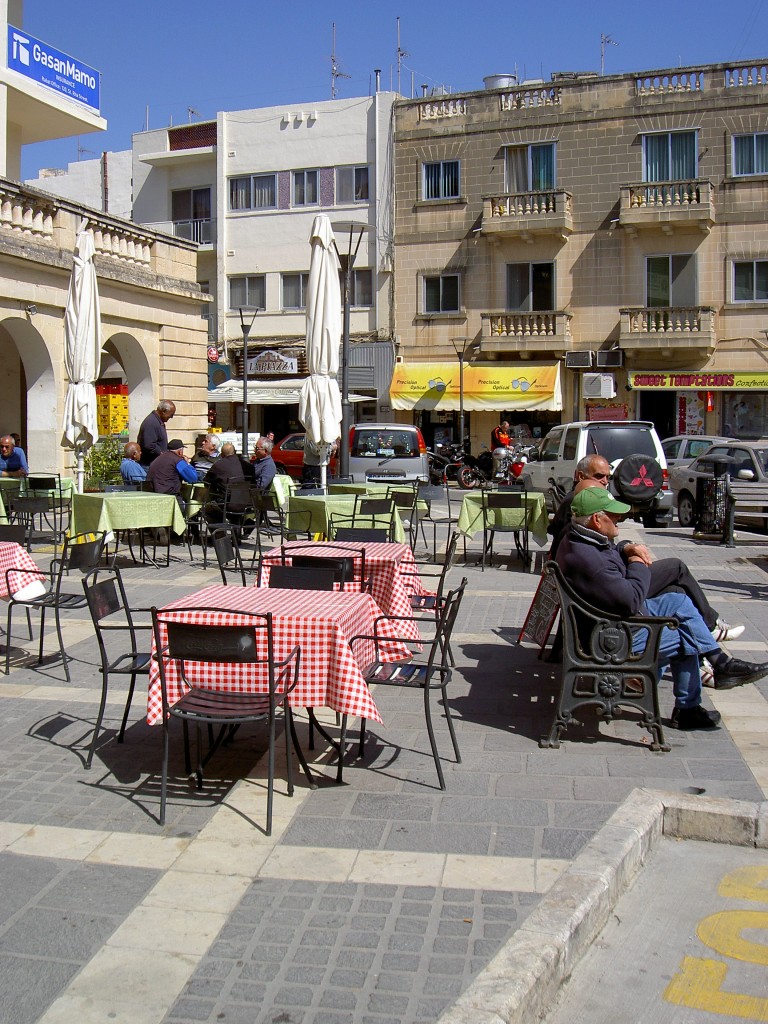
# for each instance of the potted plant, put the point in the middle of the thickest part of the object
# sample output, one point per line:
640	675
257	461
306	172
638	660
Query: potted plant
102	463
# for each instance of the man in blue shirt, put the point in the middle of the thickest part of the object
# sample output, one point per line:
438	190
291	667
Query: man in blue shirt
264	468
131	470
13	462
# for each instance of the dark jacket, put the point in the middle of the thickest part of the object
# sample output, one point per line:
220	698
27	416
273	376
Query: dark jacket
153	438
226	468
593	566
164	474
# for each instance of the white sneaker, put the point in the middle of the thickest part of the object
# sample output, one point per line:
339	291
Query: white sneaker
707	673
724	631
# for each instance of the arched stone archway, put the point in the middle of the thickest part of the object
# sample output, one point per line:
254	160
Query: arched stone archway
28	391
130	354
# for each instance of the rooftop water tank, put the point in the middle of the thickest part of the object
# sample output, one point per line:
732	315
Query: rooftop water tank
499	81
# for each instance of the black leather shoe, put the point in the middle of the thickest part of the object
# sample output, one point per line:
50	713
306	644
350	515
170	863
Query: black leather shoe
695	718
736	672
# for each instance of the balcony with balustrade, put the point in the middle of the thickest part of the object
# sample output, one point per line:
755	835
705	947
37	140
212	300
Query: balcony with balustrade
667	206
689	330
525	215
542	331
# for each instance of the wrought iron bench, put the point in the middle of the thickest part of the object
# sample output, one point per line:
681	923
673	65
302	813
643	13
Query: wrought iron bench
600	669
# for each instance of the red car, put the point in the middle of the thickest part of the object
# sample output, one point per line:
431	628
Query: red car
289	456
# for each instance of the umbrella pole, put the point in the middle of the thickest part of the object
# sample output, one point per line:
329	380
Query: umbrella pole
80	472
323	469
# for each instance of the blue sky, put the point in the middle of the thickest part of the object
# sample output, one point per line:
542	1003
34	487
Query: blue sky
170	55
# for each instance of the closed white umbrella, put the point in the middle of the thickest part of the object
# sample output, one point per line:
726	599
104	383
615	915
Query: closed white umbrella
320	401
82	352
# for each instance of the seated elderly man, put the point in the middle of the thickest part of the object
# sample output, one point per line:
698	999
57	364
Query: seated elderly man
131	470
13	461
618	580
206	455
226	469
169	469
667	574
264	468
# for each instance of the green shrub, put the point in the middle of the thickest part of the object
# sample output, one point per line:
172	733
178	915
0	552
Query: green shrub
102	462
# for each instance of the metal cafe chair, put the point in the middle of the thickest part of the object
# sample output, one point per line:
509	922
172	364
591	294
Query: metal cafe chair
495	503
427	671
112	618
81	553
227	550
188	639
301	577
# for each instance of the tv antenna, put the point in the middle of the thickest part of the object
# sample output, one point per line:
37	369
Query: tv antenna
335	73
401	55
605	41
191	112
81	150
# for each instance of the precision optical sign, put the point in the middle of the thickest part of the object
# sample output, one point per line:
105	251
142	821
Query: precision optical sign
56	70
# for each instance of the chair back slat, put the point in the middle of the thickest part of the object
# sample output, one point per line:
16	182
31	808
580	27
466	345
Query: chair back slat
236	643
297	577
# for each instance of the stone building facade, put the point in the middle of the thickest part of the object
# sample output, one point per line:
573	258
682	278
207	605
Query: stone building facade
615	226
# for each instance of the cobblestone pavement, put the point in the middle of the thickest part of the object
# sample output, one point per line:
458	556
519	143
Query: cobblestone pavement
375	901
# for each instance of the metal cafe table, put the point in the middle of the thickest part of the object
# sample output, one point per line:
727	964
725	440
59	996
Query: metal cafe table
390	567
120	511
314	511
470	519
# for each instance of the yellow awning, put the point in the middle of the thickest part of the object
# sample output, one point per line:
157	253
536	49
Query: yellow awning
487	386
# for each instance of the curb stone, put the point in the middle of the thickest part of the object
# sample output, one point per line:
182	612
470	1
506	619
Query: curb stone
521	983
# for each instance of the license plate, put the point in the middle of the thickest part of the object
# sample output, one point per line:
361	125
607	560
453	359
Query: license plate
385	476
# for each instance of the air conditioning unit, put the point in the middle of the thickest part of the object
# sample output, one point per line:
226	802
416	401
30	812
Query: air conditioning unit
598	385
578	360
610	357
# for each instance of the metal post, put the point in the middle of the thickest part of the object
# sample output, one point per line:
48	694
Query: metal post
347	262
346	411
246	329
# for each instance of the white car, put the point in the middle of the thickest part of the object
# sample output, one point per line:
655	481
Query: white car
682	449
634	451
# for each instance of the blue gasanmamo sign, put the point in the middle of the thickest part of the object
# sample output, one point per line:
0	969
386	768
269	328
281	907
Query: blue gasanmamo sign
44	64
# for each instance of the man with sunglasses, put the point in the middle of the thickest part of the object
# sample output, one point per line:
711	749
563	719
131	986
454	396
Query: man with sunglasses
666	574
13	462
617	580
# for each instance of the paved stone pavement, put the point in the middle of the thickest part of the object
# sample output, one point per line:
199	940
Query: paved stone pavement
375	901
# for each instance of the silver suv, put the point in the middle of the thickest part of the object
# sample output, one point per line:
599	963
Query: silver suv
642	480
387	453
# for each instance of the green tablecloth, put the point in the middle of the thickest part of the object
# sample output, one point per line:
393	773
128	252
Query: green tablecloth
3	516
11	483
471	515
282	487
321	507
124	510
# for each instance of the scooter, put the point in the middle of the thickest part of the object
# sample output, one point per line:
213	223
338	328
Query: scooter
446	462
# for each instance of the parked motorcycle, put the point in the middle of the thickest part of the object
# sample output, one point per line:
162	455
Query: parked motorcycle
505	467
445	462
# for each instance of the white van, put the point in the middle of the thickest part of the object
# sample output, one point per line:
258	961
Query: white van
387	453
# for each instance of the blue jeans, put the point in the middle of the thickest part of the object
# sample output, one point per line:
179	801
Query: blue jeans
680	648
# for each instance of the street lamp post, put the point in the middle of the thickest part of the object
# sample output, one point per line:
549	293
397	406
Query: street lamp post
246	329
461	355
347	263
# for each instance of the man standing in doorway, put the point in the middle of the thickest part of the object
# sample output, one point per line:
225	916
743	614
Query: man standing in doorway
153	436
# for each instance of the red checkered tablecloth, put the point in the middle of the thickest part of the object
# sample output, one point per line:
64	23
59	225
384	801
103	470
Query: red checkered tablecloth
17	558
390	568
330	673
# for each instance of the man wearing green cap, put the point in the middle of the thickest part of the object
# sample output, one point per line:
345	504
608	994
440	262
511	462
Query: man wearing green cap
618	581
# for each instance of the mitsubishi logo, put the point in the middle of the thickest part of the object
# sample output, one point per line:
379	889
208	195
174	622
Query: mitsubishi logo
642	478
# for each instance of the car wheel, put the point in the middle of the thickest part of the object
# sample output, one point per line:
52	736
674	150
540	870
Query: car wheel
280	468
686	509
